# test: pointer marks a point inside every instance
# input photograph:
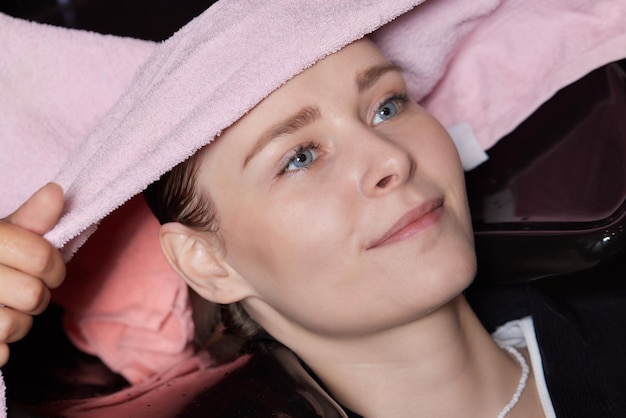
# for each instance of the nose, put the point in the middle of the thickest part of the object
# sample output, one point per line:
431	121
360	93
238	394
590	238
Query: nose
385	164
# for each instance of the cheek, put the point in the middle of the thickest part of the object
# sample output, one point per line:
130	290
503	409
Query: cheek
438	160
284	240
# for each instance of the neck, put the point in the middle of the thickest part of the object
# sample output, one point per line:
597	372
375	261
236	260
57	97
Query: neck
445	364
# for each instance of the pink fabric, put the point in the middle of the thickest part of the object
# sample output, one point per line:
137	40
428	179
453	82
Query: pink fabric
3	403
488	62
56	85
165	117
520	55
123	302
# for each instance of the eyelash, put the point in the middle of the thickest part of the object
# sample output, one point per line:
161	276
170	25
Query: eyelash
284	163
400	99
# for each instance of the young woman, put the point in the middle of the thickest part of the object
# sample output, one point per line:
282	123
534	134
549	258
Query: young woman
359	245
333	215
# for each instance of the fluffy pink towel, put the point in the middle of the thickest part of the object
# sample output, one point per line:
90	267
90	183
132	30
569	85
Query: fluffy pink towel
163	118
520	55
487	63
123	304
3	403
56	85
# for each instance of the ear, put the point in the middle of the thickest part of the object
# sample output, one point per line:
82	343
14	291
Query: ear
198	257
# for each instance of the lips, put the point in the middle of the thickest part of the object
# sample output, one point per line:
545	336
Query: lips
413	222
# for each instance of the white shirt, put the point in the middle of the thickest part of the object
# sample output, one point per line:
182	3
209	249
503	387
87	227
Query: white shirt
521	333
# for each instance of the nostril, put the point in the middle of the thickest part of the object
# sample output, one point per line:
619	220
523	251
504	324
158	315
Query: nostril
384	182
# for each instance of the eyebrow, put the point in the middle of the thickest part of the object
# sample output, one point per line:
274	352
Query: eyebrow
310	114
293	123
369	77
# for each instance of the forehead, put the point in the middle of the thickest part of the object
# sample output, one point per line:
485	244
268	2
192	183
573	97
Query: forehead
345	65
341	68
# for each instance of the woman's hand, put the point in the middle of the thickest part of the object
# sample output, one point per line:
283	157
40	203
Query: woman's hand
29	265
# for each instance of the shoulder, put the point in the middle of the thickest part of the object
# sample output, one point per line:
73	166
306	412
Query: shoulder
581	337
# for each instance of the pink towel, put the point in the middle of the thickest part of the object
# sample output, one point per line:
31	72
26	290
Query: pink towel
56	85
487	63
3	403
161	109
520	55
164	117
123	302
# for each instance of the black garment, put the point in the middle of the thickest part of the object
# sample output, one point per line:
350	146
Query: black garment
582	341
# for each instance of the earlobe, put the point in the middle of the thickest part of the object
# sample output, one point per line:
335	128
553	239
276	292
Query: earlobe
198	258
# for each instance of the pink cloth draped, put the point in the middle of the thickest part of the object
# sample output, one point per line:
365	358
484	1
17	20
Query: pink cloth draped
105	116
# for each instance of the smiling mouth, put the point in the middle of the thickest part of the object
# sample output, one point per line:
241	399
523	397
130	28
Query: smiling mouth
413	222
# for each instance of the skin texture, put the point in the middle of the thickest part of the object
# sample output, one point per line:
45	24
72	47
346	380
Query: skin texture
29	265
307	187
302	255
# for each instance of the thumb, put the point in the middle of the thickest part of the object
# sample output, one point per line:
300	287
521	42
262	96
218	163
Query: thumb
41	211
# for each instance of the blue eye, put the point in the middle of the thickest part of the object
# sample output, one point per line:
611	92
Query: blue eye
302	157
390	108
386	111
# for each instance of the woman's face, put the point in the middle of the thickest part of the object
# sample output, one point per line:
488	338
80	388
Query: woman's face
341	202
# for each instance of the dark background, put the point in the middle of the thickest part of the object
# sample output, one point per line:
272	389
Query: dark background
145	19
